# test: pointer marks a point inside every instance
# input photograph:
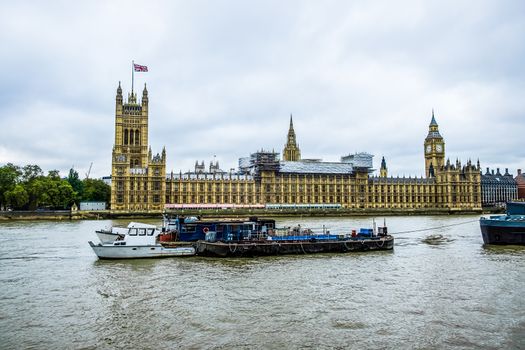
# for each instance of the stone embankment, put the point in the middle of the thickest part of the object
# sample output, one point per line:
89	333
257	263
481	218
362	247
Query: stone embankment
228	213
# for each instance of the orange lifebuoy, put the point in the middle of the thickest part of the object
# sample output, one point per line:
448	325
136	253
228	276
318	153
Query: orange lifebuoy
205	230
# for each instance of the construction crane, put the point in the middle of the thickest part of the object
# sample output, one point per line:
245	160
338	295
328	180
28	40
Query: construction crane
89	171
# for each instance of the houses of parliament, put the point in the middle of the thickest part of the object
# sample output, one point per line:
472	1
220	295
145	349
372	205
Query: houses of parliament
140	182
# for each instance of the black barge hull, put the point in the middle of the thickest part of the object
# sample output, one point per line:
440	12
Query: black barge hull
495	233
267	248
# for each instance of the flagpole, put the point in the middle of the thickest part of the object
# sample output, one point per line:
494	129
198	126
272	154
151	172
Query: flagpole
132	75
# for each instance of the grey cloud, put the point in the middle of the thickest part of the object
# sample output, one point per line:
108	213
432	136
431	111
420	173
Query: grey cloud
225	75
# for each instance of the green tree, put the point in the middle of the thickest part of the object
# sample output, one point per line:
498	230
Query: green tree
52	191
9	176
37	190
76	184
66	195
17	197
96	190
31	172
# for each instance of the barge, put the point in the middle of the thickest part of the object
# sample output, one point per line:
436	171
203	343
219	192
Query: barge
505	229
260	237
311	246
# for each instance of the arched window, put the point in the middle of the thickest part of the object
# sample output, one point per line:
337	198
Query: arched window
125	136
131	134
137	137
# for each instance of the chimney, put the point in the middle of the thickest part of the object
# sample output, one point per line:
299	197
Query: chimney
519	172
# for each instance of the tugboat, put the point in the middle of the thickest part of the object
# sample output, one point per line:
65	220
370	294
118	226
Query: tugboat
505	229
140	241
109	235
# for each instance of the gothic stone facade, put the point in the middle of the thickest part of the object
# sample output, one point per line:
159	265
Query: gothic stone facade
264	179
138	178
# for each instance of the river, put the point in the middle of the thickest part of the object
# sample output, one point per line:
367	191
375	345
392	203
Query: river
439	288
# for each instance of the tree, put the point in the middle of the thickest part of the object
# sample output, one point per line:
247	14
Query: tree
28	188
37	189
66	195
31	172
52	191
9	176
76	184
96	190
17	197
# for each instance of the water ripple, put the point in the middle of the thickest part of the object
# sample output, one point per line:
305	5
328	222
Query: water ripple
54	293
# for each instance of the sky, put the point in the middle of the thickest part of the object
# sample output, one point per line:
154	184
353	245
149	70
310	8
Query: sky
225	76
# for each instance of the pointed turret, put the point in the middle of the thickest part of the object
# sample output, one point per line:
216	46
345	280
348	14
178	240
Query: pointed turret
433	121
145	93
291	150
433	128
119	94
119	90
383	171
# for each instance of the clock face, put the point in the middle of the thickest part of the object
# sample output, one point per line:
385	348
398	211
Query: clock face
439	148
429	148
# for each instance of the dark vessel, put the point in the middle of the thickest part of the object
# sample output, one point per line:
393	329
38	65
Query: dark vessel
294	246
260	237
193	229
505	229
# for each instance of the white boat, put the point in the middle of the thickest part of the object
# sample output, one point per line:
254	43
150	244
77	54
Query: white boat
139	242
109	235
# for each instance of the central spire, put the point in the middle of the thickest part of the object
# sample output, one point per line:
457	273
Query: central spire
291	150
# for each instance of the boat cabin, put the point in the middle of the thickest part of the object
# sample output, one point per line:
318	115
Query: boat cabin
221	230
138	236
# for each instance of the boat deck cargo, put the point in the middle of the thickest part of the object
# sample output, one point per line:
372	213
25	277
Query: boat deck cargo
260	237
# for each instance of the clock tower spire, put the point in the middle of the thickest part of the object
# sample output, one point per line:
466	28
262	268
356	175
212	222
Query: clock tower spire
434	148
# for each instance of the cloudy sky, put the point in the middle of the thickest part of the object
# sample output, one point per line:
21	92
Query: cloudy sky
224	77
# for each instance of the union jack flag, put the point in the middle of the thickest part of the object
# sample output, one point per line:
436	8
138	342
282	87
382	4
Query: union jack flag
139	68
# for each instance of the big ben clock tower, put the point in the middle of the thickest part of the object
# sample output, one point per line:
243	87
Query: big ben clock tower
434	148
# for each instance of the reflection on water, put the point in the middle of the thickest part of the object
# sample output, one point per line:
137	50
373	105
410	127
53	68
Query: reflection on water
438	289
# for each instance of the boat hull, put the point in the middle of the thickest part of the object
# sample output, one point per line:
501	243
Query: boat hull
266	248
106	236
500	231
137	252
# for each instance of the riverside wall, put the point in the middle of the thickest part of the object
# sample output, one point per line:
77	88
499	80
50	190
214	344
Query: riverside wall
231	213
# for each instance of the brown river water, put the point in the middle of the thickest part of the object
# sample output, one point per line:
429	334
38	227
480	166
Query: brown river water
438	289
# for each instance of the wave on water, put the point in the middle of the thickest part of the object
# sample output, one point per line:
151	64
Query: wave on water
436	240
